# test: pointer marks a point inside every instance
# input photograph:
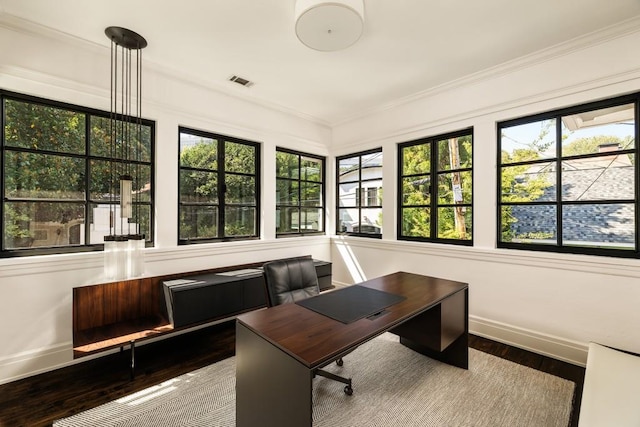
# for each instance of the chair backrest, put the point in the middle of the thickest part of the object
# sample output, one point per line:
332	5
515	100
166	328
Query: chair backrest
290	280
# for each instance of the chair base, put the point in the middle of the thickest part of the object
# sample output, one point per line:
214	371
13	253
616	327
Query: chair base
348	389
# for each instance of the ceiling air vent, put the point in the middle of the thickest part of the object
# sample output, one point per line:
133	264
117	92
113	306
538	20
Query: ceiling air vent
241	81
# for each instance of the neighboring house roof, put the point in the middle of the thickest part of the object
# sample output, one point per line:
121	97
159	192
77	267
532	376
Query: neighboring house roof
603	178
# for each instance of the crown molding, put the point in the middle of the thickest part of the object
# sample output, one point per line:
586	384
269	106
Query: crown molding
576	44
25	26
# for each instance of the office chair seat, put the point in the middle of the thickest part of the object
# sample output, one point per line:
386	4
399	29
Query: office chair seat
293	279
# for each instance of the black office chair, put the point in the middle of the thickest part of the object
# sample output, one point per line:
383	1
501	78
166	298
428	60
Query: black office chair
290	280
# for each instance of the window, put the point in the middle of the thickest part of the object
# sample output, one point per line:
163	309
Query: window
435	188
299	193
55	176
218	186
359	194
568	180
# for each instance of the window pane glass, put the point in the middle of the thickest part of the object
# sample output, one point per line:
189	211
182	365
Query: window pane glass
198	152
43	224
599	225
286	192
529	183
99	185
141	183
311	194
454	188
287	220
347	218
198	222
240	189
295	220
100	180
598	178
360	185
371	193
303	187
142	216
198	187
416	159
455	223
415	191
530	141
311	219
138	145
99	221
599	131
287	165
373	160
41	127
43	176
311	169
348	169
371	222
349	194
454	153
239	157
416	222
529	224
240	221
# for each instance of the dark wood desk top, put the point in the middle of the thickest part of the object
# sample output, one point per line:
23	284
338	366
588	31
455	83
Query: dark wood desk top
314	339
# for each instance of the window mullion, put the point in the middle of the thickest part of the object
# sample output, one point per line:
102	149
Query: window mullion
433	188
637	176
559	203
222	187
300	194
87	179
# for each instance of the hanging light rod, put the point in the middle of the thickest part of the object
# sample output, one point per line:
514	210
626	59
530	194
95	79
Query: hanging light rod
125	38
123	247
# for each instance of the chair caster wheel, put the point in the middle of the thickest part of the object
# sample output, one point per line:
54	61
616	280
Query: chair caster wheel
339	362
348	390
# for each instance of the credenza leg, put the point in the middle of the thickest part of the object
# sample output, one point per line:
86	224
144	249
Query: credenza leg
133	359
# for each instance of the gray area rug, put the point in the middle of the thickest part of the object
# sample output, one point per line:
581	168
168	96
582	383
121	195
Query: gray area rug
393	386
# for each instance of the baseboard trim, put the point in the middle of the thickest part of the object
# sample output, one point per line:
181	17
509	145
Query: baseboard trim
47	359
28	364
548	345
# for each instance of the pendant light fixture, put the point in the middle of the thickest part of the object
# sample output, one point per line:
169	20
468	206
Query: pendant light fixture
124	245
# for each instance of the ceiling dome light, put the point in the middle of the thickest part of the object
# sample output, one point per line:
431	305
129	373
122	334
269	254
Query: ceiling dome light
329	25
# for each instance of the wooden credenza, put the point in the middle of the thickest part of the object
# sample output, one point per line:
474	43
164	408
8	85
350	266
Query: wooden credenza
117	314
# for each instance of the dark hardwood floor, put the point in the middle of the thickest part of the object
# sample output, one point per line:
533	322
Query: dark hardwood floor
41	399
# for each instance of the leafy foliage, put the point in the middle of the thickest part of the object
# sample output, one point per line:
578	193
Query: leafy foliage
453	222
45	171
200	185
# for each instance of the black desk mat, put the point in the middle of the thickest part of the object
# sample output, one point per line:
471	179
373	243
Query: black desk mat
351	303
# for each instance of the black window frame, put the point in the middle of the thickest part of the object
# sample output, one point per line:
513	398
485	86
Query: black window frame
87	157
300	206
557	160
221	187
359	205
433	188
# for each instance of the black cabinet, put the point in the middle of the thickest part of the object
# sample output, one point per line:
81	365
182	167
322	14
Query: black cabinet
323	271
205	297
200	298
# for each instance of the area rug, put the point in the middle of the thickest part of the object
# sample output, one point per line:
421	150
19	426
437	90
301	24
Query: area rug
393	386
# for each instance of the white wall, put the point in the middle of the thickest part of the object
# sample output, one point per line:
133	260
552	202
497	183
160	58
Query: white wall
550	303
35	292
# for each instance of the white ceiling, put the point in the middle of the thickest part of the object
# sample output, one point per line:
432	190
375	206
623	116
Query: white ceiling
407	47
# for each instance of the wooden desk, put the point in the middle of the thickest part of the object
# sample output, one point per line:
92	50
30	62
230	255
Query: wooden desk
278	349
